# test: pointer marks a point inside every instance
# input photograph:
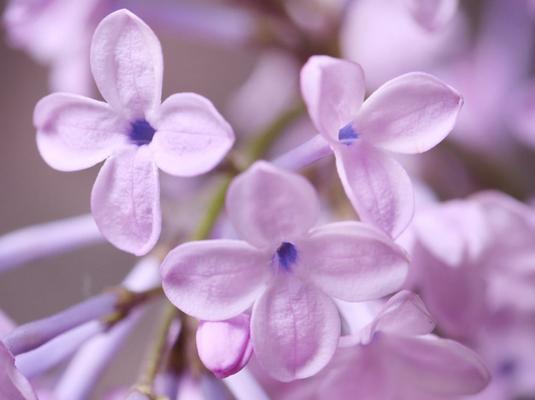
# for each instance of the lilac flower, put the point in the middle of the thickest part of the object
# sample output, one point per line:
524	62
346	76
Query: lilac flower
387	39
409	114
133	132
396	357
495	68
473	258
224	346
285	269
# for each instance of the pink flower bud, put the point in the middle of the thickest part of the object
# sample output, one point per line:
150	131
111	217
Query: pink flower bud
224	346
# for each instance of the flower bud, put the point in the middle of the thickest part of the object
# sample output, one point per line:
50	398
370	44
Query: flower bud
224	346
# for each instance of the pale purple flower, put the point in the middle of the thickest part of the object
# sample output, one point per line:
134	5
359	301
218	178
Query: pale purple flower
396	357
286	269
385	37
474	258
494	69
409	114
133	132
56	33
225	347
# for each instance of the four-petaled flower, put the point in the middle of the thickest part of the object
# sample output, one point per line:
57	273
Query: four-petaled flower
409	114
183	136
396	357
286	269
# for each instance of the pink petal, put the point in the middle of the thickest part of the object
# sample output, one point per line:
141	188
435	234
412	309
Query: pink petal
456	296
404	314
191	136
355	373
126	201
127	64
6	324
268	205
295	329
432	14
214	280
352	261
455	231
333	90
409	114
377	186
13	385
434	365
224	347
74	132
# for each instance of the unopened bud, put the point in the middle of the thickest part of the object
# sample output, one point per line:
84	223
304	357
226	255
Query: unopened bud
224	346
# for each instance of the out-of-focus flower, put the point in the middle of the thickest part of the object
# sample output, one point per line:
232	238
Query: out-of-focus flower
386	39
224	346
396	357
494	69
287	271
474	267
133	132
409	114
269	90
57	33
474	258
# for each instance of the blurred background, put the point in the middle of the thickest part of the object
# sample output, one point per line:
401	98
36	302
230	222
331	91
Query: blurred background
32	192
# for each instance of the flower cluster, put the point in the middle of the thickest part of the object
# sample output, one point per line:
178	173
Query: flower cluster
325	264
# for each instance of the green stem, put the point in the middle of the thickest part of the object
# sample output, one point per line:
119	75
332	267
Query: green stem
156	352
267	137
213	210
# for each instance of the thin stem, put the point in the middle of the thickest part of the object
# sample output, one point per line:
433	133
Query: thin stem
117	301
213	210
93	357
305	154
267	137
157	351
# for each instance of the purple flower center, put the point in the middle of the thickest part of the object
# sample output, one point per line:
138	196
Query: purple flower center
141	132
347	135
507	367
287	255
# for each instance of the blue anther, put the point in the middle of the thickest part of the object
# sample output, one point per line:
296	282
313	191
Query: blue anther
141	132
287	255
347	135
